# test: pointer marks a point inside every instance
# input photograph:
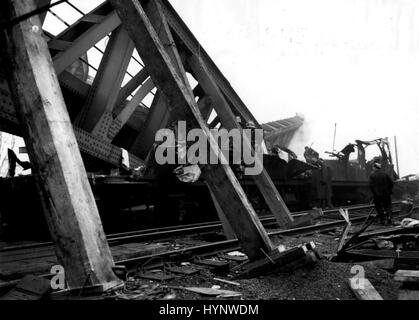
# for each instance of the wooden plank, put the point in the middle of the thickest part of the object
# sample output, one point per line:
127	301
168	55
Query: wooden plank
273	259
182	31
27	256
228	120
366	291
29	288
182	104
346	230
159	114
69	205
407	276
153	10
228	231
12	271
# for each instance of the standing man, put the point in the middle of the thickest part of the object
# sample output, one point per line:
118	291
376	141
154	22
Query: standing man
381	186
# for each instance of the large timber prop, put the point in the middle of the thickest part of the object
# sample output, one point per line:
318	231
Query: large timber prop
107	119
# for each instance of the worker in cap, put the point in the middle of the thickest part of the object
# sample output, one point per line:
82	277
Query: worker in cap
250	125
381	186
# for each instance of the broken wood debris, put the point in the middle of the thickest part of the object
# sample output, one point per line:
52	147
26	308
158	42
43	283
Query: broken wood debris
285	261
213	292
407	276
185	270
217	265
157	275
345	215
29	288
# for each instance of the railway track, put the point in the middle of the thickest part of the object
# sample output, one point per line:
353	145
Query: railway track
230	245
172	231
175	249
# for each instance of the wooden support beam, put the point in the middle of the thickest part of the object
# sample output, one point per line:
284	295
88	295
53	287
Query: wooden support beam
104	91
182	31
70	208
84	42
220	178
228	230
228	120
159	114
153	10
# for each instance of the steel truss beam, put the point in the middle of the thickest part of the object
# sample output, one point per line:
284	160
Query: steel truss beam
84	42
88	143
105	89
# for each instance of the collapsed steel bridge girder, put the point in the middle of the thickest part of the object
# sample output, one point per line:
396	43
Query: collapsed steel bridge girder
105	119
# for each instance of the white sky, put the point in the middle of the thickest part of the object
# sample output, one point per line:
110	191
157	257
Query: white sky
350	62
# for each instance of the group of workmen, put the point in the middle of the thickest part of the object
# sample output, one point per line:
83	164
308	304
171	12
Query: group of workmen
380	183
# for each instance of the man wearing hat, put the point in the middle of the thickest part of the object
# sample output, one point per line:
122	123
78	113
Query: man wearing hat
381	186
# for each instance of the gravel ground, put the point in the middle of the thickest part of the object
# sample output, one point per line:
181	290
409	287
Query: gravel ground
323	281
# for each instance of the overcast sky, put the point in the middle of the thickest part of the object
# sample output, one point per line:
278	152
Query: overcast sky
350	62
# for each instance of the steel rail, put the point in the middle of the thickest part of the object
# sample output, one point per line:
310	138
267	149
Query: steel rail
234	244
163	232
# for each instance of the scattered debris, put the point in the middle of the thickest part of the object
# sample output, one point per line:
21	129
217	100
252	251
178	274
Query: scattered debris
186	270
155	275
408	223
286	261
217	265
29	288
236	254
408	295
170	296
